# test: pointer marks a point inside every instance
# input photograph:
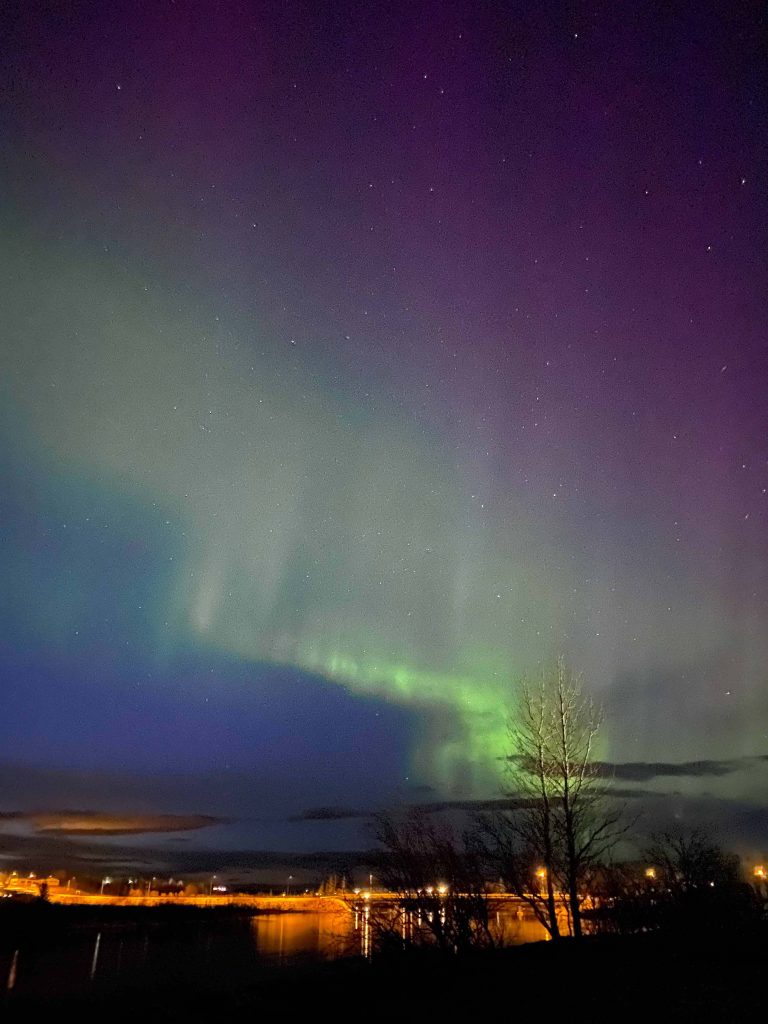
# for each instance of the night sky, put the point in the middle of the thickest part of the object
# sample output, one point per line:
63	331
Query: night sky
357	358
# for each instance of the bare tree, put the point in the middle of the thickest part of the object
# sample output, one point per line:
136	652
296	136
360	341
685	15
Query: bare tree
523	841
699	886
564	823
436	875
689	860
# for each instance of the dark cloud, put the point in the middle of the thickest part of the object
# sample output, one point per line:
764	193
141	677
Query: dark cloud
507	803
93	823
434	807
51	851
644	771
633	793
735	824
329	814
274	793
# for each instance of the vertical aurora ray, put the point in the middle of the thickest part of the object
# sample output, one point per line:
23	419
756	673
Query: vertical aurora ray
341	342
303	529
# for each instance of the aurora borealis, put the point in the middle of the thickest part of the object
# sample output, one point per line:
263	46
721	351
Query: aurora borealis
359	358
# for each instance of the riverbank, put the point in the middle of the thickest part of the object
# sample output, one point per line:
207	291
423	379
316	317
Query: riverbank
648	977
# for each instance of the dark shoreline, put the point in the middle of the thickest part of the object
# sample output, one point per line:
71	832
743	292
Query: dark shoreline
603	980
659	977
58	919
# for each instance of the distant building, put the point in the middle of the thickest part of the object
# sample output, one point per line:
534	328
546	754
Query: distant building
30	885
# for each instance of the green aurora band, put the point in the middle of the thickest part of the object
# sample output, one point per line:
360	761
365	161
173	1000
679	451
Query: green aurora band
309	522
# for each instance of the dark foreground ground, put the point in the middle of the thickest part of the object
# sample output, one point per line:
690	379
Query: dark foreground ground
655	978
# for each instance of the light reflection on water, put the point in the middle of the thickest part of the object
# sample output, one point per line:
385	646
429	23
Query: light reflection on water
220	952
328	936
325	936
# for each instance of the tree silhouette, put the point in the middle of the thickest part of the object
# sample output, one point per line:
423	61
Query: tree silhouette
547	847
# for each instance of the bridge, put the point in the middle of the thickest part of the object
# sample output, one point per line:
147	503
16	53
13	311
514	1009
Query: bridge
336	903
